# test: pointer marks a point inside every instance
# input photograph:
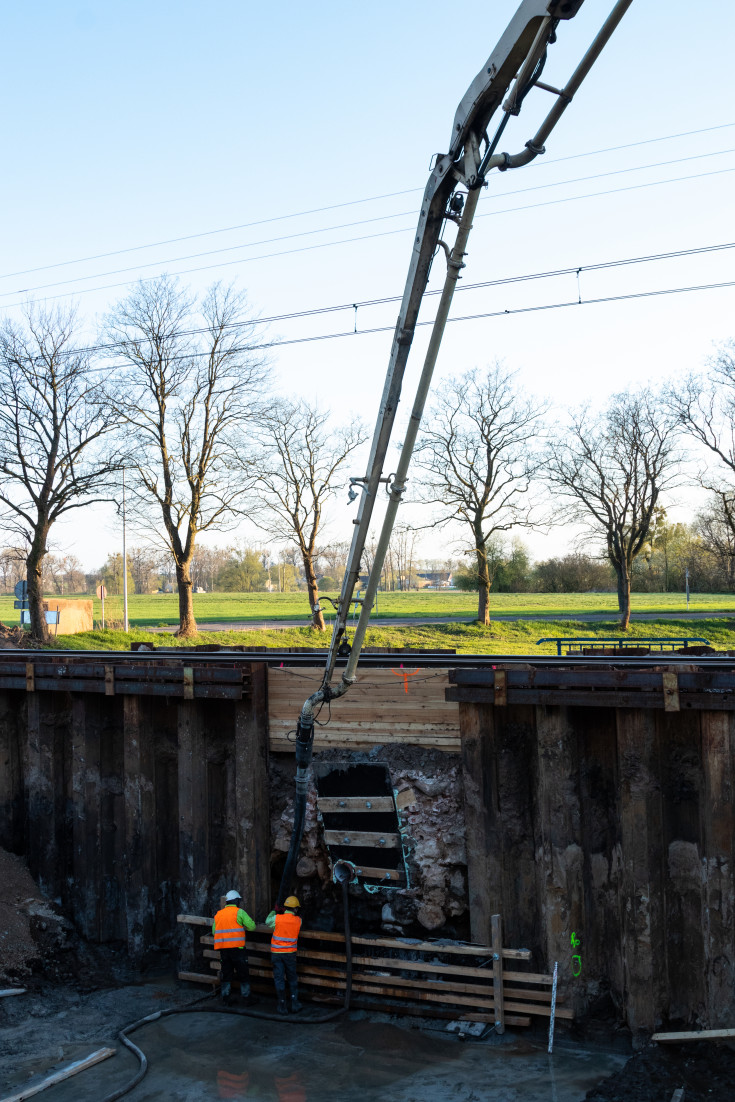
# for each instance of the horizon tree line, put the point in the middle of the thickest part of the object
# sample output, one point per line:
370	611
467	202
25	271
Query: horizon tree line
179	400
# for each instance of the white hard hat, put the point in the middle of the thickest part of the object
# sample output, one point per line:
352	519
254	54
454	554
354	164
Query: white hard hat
232	896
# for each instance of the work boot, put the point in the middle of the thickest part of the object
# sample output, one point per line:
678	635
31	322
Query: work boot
295	1004
281	1008
226	993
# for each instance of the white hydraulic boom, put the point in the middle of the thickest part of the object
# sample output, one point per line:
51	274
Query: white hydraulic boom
513	69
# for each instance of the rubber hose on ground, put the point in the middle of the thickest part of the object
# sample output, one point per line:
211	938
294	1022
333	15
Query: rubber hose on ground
195	1008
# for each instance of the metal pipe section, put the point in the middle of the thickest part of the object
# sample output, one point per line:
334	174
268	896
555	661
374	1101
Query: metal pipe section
398	485
536	144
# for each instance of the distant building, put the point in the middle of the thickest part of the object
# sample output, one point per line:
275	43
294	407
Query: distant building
434	579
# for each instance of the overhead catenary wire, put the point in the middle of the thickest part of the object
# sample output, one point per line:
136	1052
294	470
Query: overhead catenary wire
554	273
316	311
349	203
365	221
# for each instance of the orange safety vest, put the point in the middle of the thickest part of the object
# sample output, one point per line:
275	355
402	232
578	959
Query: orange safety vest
228	933
286	933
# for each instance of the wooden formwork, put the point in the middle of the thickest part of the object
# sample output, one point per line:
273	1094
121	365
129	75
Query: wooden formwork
473	983
403	704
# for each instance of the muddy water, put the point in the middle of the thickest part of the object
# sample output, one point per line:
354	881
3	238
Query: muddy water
206	1056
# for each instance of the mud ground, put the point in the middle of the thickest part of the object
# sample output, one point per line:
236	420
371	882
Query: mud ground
211	1056
705	1069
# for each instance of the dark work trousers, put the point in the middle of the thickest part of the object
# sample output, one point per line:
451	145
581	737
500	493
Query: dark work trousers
235	967
284	968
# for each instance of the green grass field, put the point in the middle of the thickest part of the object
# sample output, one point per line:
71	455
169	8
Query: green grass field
518	637
161	609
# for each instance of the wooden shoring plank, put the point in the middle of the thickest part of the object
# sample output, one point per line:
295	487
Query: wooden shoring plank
448	988
540	1009
372	873
374	839
401	965
62	1074
671	692
109	681
695	1035
405	944
355	803
195	920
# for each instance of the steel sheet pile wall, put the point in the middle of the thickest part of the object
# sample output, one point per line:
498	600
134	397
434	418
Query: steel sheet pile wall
591	817
131	803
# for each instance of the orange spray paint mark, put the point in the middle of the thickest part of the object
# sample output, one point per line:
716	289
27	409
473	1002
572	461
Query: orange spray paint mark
405	674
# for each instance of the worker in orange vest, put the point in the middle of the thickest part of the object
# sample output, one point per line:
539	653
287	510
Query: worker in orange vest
229	926
285	923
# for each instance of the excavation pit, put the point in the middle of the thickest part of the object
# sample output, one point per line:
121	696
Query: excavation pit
213	1056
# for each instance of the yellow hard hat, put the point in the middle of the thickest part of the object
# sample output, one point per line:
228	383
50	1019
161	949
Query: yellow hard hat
292	901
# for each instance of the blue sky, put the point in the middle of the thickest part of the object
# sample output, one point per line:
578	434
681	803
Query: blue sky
132	124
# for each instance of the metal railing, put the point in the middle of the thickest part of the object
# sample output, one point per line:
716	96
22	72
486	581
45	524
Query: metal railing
662	643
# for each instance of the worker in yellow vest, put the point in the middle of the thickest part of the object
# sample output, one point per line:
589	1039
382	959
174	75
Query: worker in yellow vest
285	923
229	926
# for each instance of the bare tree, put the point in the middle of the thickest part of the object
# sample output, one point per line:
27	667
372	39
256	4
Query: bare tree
54	417
477	461
705	409
716	530
298	467
610	471
12	566
193	378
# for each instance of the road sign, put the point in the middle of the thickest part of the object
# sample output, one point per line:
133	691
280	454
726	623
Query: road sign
101	592
21	590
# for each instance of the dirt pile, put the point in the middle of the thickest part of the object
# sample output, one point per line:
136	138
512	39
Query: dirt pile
12	637
704	1069
36	939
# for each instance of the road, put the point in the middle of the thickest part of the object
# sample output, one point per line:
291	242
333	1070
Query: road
402	622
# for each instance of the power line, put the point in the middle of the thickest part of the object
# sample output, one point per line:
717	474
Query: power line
358	222
488	314
518	310
349	203
552	273
372	236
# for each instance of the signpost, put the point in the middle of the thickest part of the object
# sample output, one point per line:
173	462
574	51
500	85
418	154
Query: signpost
102	593
21	602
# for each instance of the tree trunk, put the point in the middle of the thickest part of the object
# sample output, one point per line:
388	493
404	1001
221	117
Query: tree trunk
187	623
624	596
34	569
483	577
317	620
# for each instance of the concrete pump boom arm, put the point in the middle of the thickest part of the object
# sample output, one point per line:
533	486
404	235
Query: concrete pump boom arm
514	67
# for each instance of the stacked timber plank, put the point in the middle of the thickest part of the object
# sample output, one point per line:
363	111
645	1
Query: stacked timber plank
399	705
402	976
